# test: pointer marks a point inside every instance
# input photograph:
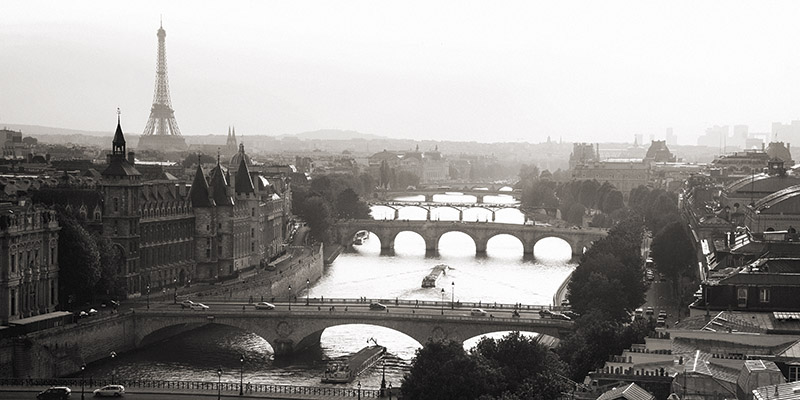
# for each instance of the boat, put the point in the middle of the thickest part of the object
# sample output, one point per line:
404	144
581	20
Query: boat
361	236
347	370
434	276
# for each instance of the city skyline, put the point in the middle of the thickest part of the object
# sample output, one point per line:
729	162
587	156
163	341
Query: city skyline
458	71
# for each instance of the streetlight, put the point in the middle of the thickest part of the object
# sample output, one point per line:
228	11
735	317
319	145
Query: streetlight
359	390
383	380
113	356
175	296
442	301
219	382
290	297
148	296
241	374
390	390
83	368
453	296
308	282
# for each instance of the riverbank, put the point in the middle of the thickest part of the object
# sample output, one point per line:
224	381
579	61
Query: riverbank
331	251
561	294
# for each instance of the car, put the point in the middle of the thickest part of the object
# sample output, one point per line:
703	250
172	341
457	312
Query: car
558	315
264	306
639	313
92	311
544	313
477	312
199	307
187	303
649	311
54	393
377	307
110	391
662	314
661	322
571	314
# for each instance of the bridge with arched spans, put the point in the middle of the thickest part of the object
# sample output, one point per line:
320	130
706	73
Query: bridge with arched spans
301	326
428	207
478	193
480	232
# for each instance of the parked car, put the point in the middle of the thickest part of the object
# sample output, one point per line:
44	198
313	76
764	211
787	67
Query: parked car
377	307
264	306
54	393
649	311
545	313
661	322
186	303
477	312
639	313
662	314
110	391
199	307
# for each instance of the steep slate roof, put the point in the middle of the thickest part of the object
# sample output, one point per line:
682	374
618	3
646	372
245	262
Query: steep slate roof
118	165
199	191
629	392
219	187
119	138
243	182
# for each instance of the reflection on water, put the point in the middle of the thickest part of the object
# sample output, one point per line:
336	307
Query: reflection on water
503	274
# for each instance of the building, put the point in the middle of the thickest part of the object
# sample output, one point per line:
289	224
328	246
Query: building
628	392
429	166
11	144
28	261
583	153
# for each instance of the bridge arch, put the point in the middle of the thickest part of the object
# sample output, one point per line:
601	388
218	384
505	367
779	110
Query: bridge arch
476	240
427	242
501	235
575	248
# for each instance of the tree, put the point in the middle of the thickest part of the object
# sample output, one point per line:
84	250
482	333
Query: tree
384	175
672	251
317	214
588	193
78	261
112	268
612	202
445	371
575	214
350	206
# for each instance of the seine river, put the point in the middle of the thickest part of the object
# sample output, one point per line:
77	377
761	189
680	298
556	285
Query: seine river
502	275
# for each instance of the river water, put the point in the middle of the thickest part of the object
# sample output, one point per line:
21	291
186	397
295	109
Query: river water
502	275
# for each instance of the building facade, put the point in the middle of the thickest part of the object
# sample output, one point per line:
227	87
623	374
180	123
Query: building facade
28	261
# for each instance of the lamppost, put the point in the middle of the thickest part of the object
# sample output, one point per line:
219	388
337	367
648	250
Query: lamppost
148	296
453	296
359	390
383	379
390	390
308	282
219	383
175	296
241	374
113	356
83	367
290	297
442	301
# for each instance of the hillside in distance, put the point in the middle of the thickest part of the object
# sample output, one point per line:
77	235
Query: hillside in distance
333	134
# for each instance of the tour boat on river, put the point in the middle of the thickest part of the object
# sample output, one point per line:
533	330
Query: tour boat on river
346	371
434	276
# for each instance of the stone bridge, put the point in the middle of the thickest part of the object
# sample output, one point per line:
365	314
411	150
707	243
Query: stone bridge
480	232
428	207
291	331
430	192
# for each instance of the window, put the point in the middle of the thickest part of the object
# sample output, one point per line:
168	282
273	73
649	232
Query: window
116	204
252	246
13	263
763	295
252	233
741	295
252	212
794	373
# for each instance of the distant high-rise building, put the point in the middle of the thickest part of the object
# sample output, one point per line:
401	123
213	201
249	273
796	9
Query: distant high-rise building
716	137
785	132
740	134
672	139
637	139
582	153
161	132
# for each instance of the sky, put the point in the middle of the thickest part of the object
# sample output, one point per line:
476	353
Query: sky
483	71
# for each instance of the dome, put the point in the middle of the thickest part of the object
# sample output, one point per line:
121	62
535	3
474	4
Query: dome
778	150
236	159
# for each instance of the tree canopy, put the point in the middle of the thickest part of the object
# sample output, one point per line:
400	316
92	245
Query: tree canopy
78	261
672	251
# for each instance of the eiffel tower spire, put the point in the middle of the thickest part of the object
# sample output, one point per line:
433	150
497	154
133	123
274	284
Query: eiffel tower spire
162	122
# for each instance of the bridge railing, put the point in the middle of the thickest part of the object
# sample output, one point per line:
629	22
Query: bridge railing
328	301
90	383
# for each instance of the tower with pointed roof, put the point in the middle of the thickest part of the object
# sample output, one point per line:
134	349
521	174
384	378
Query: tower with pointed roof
121	184
161	132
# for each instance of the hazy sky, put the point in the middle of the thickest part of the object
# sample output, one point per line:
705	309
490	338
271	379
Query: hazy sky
455	70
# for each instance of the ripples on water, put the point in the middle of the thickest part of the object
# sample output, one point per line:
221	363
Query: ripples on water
503	275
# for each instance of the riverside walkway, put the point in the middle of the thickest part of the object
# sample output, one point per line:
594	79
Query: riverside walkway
156	389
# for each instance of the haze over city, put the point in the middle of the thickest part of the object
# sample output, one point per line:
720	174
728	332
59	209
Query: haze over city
514	71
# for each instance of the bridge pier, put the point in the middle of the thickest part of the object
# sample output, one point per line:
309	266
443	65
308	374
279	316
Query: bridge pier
396	213
493	216
479	200
429	198
527	247
460	215
431	244
480	246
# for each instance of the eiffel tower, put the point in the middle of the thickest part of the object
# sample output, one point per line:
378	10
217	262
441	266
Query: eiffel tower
161	132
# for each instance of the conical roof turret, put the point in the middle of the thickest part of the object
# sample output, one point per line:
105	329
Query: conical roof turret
219	187
199	192
242	181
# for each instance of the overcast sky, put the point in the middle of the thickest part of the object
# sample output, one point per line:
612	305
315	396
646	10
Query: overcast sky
455	70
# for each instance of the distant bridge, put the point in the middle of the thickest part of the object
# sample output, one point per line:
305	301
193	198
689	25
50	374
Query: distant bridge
479	192
460	207
480	232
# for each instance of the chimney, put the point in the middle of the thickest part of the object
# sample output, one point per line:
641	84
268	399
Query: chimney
131	158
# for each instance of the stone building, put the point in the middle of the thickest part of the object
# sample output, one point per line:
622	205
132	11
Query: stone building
28	261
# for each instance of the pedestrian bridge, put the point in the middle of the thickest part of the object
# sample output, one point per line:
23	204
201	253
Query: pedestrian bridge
288	331
460	207
480	232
